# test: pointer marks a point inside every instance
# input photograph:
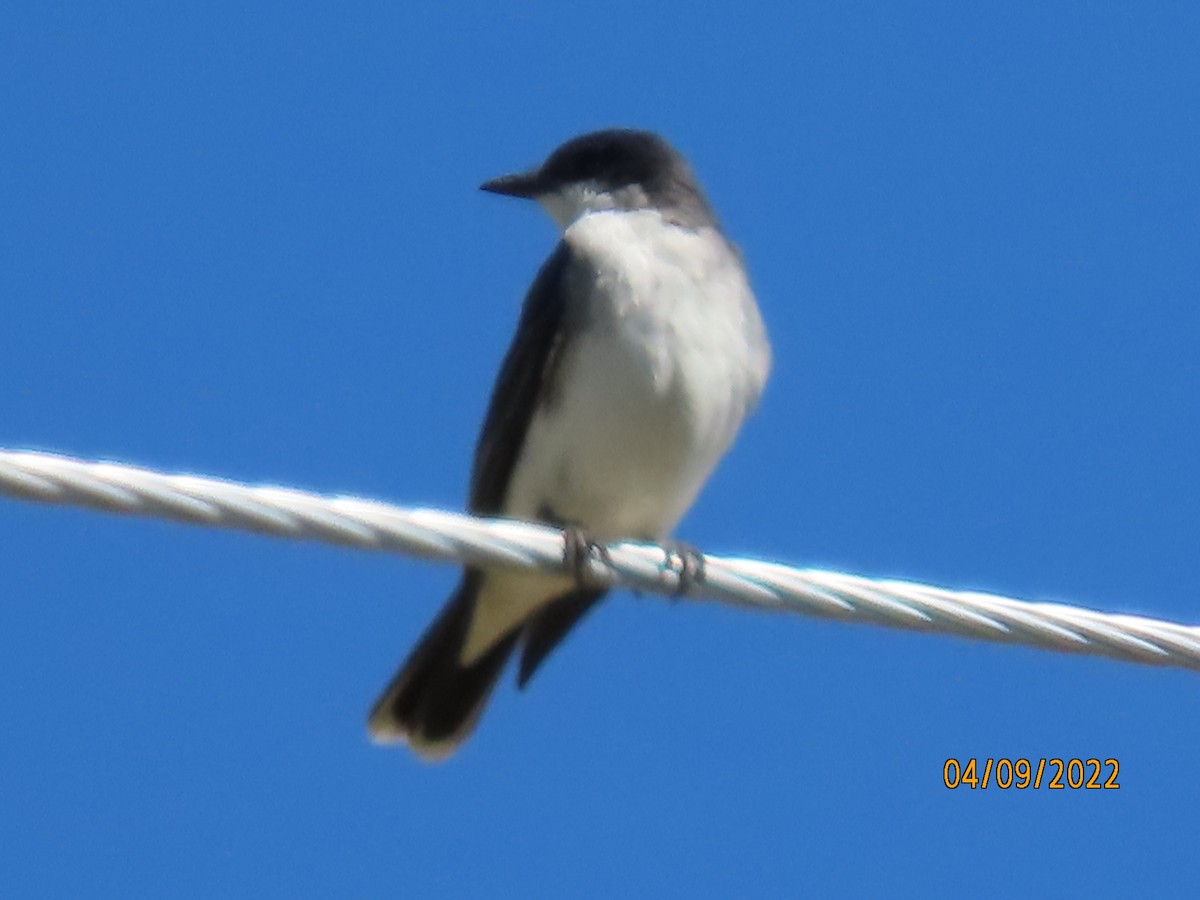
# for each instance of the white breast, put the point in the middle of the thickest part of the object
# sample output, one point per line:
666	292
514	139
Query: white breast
655	385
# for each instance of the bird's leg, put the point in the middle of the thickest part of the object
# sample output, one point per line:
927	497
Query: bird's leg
579	552
687	562
579	549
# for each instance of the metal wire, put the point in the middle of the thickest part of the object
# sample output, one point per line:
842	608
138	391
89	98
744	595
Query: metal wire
436	534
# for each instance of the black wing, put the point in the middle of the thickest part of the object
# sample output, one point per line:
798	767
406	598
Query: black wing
525	382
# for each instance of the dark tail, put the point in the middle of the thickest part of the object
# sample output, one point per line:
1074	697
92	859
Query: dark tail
433	702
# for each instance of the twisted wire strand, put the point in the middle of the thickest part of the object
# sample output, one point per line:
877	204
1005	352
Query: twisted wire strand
436	534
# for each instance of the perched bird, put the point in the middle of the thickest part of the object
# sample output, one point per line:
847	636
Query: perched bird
639	352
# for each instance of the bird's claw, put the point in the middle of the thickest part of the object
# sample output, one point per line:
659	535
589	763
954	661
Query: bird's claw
687	563
580	551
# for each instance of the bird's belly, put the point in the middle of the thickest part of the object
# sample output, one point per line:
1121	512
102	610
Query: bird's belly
640	419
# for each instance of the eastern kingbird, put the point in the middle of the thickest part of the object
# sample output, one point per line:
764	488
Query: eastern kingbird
639	352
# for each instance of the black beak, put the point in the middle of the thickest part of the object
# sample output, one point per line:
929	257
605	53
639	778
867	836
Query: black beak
524	184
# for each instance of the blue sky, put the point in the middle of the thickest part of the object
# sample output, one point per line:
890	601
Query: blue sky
248	242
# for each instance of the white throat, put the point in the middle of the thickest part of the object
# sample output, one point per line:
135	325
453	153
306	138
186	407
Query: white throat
571	201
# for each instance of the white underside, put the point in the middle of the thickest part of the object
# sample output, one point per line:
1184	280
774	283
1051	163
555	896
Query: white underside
652	392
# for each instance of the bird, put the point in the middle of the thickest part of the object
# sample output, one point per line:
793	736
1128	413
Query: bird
639	351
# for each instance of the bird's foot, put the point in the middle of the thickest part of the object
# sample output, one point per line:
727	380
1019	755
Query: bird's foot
687	564
579	552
